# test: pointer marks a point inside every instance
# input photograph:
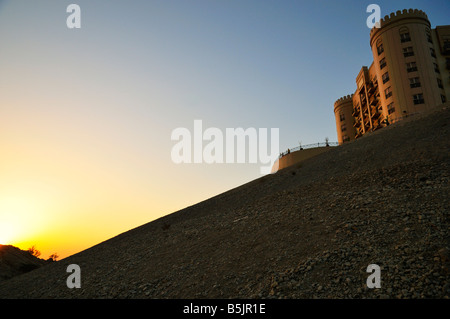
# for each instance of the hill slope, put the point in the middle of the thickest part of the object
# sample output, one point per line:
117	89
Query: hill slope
307	231
14	261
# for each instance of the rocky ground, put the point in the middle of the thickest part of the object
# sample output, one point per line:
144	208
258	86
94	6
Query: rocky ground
308	231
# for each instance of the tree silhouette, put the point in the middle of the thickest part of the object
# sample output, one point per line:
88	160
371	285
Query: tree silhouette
53	257
33	251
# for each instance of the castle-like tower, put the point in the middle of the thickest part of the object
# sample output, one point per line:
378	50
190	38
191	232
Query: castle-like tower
409	74
343	109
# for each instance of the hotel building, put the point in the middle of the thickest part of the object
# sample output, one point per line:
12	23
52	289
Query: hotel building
410	74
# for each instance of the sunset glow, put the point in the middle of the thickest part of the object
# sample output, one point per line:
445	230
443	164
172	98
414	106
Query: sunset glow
86	114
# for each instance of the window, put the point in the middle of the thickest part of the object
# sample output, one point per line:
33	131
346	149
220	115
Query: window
343	128
418	99
443	99
391	108
345	138
380	48
411	67
433	53
405	37
385	77
429	36
388	92
408	52
414	82
440	85
382	63
436	68
342	117
446	46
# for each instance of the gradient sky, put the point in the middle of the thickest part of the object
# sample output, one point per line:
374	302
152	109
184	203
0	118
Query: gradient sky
86	114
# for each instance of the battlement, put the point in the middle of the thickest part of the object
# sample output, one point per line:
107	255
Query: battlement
399	15
343	99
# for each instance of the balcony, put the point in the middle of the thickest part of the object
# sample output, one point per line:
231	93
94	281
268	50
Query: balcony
377	124
363	102
373	100
366	122
357	123
356	112
375	114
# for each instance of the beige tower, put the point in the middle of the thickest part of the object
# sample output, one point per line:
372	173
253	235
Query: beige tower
410	74
343	109
406	64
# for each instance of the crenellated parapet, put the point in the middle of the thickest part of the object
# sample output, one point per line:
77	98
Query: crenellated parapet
397	16
344	99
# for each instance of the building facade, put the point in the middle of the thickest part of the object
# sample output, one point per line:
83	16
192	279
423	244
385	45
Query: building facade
410	74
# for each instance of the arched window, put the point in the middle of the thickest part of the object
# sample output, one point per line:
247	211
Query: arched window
404	35
380	48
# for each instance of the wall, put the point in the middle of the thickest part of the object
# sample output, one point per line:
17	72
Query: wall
299	156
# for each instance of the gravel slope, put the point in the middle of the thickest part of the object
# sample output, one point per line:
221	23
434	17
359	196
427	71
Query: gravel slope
309	231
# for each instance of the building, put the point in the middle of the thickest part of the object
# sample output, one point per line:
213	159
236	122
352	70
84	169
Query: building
410	74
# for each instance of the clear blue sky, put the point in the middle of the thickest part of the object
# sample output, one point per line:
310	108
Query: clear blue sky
101	102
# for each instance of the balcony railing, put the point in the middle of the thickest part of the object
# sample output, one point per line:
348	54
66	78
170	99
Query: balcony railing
373	101
375	114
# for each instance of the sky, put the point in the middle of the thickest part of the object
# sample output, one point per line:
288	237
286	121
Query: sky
86	114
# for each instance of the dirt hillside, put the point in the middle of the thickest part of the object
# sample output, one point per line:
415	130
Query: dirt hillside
308	231
14	261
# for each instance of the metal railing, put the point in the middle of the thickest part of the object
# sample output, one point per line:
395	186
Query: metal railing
304	147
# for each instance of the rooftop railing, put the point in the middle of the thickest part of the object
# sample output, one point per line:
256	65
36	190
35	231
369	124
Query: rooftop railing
304	147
